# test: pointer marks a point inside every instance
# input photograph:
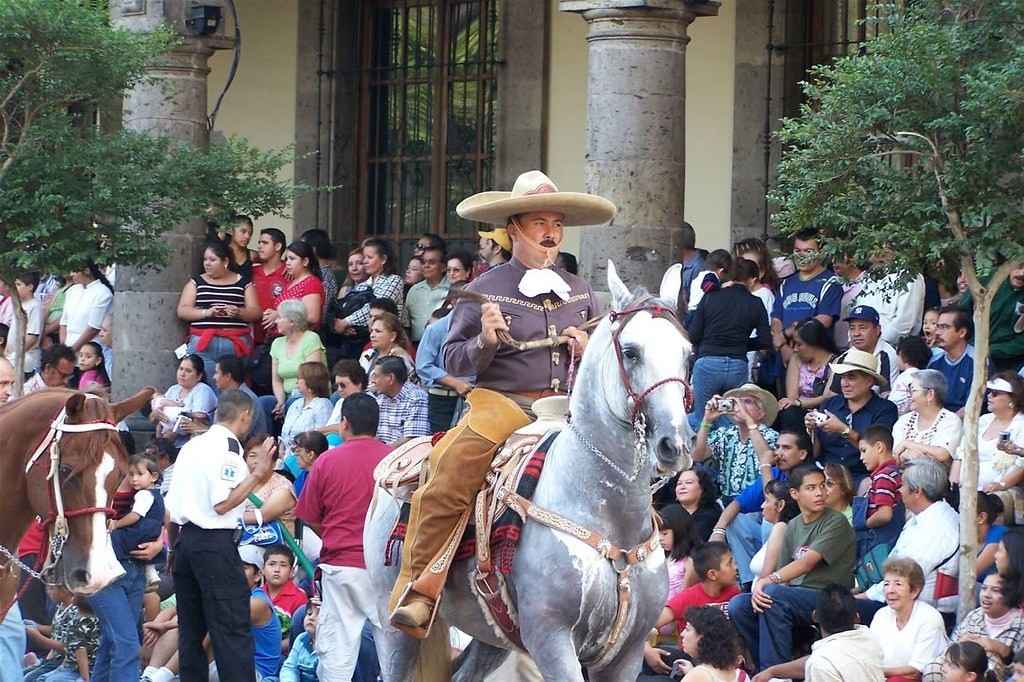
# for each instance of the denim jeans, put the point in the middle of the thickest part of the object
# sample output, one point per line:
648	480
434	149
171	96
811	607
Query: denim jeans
61	675
715	375
745	535
267	403
769	635
119	607
12	641
218	347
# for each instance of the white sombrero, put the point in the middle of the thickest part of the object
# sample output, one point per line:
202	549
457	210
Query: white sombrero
535	192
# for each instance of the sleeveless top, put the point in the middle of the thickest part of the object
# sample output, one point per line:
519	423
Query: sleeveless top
266	639
805	387
209	295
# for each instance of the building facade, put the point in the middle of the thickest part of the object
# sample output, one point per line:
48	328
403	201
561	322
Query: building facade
404	107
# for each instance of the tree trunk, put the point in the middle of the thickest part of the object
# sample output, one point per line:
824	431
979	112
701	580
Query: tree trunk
18	339
983	298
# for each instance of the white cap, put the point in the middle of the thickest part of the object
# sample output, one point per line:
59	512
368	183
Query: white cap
1001	385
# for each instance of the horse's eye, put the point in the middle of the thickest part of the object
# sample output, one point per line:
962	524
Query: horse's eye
66	471
630	353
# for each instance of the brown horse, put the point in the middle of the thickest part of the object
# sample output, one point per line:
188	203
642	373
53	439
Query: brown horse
89	462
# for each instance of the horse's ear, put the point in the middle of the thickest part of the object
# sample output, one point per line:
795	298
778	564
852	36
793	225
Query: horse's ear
133	404
620	293
73	406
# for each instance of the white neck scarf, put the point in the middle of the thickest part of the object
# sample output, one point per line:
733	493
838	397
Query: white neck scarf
539	281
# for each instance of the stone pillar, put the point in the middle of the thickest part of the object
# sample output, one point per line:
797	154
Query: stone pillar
172	104
636	111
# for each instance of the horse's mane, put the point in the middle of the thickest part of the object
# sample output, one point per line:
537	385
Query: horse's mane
641	295
33	413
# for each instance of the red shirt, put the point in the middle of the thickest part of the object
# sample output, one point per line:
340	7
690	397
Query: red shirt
289	598
695	595
268	288
33	540
337	495
885	487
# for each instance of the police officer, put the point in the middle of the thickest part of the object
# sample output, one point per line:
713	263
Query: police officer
206	500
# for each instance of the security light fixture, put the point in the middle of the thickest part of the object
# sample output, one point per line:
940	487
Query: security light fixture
203	20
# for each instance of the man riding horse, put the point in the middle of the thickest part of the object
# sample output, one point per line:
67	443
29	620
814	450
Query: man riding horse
530	299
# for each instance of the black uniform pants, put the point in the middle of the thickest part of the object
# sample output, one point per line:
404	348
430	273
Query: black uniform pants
212	598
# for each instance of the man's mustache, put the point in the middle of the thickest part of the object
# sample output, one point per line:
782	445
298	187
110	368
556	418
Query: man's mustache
548	242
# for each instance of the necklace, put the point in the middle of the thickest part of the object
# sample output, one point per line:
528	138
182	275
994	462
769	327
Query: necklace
926	435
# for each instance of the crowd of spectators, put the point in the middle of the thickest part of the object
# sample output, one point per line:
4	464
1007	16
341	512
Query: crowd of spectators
821	507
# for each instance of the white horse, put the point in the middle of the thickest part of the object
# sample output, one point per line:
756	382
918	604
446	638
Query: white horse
628	423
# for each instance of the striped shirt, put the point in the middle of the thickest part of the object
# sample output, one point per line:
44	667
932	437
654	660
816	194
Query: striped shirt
404	416
885	487
209	295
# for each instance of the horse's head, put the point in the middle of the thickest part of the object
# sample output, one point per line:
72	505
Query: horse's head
642	357
88	470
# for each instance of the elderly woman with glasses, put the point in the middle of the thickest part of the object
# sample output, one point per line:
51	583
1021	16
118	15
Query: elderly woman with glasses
928	429
1000	436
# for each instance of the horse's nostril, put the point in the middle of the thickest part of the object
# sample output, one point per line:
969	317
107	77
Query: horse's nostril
667	448
78	577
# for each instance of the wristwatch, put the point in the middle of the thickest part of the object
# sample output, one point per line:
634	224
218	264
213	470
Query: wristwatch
846	432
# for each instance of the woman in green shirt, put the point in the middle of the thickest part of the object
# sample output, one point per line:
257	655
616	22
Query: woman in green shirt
296	345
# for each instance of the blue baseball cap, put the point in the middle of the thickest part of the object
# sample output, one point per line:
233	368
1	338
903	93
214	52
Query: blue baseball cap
863	312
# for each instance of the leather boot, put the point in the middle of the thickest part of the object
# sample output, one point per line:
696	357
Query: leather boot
458	466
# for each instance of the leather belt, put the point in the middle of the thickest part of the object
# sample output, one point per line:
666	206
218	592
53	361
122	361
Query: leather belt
443	392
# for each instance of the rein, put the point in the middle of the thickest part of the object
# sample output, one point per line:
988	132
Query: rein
58	515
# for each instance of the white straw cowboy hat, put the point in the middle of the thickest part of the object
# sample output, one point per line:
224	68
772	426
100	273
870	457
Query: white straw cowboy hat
768	402
855	360
534	192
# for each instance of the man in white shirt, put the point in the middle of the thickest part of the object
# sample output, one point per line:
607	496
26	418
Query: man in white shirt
24	291
56	366
205	501
85	305
427	295
900	306
6	380
846	652
931	537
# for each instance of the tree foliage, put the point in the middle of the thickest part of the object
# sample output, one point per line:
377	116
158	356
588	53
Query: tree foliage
914	147
73	191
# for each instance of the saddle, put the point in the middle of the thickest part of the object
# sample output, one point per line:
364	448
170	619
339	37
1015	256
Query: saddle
491	528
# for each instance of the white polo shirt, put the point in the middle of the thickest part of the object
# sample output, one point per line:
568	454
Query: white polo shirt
207	469
85	307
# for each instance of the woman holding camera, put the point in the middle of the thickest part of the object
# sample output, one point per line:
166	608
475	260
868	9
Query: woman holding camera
734	448
1000	436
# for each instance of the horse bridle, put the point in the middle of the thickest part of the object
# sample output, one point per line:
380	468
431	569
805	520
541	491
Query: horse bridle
657	311
58	515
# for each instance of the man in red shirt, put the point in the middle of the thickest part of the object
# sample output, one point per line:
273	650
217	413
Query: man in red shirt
278	563
268	277
334	503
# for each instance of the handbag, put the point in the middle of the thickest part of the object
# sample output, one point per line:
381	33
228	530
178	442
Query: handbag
263	536
945	585
869	569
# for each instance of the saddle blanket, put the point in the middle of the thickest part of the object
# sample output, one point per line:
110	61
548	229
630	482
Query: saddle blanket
507	529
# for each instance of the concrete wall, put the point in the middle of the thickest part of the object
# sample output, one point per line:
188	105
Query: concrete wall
710	68
260	105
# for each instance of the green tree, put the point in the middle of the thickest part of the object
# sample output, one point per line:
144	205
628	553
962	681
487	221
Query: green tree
73	191
914	148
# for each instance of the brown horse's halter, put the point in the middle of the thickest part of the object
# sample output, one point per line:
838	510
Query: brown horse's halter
58	515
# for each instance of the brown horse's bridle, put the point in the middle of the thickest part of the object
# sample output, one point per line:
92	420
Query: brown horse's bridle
657	311
58	515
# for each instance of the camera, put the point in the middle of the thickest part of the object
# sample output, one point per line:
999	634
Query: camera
726	405
819	417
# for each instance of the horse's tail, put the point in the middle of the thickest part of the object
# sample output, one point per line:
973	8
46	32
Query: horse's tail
434	661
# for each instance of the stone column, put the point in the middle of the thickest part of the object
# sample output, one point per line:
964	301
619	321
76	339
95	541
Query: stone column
172	104
636	111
